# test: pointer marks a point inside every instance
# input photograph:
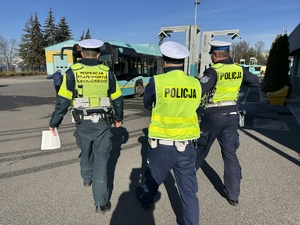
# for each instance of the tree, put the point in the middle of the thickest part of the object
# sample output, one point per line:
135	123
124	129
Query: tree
25	45
8	51
259	48
248	54
277	72
239	50
63	31
50	30
88	35
34	39
37	57
242	50
82	36
32	44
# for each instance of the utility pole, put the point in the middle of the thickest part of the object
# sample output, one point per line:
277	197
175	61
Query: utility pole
195	58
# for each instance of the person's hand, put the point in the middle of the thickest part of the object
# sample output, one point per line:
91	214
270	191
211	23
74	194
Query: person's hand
118	124
52	131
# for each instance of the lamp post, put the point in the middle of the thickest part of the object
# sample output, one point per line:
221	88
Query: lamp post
195	58
196	3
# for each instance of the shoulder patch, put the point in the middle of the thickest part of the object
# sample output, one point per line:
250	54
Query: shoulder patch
204	79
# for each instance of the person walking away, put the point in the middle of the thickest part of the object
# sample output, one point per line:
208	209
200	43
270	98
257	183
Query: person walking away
97	102
173	98
57	80
220	117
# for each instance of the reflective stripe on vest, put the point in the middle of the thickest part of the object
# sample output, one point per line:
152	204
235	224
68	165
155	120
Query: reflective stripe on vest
174	116
230	77
63	91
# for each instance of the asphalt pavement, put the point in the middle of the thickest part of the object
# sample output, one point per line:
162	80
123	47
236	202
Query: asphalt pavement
45	187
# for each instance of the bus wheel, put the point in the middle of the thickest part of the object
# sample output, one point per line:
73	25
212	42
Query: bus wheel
138	90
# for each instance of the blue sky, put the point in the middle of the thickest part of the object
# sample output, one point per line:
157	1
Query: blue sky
139	21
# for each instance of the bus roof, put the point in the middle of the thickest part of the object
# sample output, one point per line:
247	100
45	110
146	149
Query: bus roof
147	49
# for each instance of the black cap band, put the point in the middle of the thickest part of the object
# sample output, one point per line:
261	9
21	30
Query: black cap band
171	60
91	49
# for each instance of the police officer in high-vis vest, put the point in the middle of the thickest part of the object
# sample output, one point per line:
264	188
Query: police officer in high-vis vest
220	117
173	98
96	101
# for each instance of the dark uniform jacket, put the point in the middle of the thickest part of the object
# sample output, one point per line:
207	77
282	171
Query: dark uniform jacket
209	80
62	103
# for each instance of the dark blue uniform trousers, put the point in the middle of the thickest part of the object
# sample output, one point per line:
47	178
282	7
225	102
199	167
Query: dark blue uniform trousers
160	161
95	144
224	129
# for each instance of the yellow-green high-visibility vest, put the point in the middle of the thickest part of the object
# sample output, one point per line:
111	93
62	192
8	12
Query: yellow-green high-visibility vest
90	82
230	77
174	115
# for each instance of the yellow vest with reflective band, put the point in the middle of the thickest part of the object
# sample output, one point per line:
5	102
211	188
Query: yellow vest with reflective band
230	77
174	116
90	82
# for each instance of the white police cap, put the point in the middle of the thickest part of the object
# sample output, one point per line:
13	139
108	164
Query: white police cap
90	43
219	45
174	50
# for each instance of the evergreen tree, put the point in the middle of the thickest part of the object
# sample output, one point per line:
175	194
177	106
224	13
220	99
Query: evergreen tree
63	31
82	36
37	56
25	44
87	35
50	30
277	72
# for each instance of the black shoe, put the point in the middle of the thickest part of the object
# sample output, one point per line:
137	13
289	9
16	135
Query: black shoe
233	202
139	194
230	201
87	184
104	208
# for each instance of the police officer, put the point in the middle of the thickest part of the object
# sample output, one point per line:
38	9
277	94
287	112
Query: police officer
220	117
91	88
173	98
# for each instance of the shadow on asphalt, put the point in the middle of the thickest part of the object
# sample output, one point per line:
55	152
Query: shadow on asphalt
283	128
13	103
274	122
135	214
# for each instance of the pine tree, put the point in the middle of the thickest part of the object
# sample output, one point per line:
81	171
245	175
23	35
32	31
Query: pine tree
25	44
82	36
63	31
50	30
87	35
37	56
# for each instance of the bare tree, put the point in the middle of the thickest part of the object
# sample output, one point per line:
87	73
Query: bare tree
239	50
259	48
8	51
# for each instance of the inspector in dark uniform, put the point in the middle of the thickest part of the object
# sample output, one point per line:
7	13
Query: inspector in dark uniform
93	92
173	98
220	117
